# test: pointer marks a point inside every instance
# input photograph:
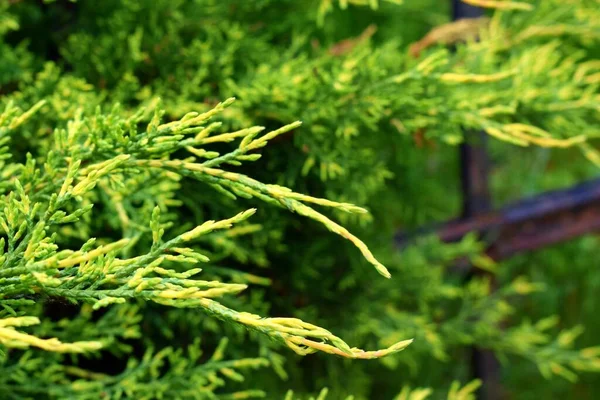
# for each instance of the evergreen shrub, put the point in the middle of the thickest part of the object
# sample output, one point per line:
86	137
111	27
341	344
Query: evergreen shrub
170	229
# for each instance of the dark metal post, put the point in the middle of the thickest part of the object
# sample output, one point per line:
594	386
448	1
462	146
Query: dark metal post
474	178
461	10
474	170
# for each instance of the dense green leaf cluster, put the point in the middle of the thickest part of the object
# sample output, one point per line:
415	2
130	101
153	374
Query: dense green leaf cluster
124	231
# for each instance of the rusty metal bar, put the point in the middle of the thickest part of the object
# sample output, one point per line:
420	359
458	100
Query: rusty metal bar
533	223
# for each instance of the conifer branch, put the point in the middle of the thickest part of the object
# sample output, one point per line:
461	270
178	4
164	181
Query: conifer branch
97	275
10	337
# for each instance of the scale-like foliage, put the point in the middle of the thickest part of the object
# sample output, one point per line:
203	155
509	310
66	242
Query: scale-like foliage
125	236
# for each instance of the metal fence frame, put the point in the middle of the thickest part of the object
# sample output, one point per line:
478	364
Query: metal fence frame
528	224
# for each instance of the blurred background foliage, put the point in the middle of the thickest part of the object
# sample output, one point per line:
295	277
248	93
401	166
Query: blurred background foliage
380	129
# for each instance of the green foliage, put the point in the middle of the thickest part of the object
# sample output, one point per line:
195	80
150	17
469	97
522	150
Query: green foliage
127	222
456	392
